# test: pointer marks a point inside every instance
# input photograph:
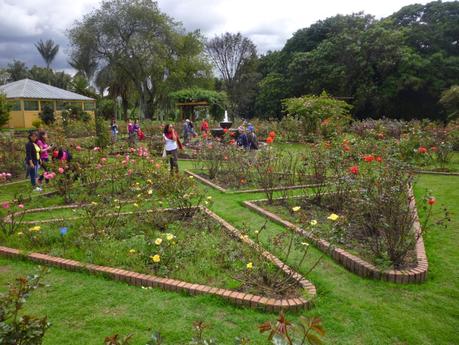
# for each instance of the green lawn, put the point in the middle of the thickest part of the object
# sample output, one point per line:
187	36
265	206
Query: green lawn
83	309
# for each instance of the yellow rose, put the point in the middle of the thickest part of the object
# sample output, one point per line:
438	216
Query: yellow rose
156	258
209	198
150	192
170	237
313	222
249	265
158	241
132	251
136	204
296	208
305	244
35	228
333	217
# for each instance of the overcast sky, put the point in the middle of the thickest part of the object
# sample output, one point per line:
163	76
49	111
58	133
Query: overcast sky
269	23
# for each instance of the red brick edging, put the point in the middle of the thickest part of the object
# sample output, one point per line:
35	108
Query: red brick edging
258	190
354	263
133	278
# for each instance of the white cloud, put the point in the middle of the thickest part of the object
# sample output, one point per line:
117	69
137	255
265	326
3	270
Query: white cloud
269	23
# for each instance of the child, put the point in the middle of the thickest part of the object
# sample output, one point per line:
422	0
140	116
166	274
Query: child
44	152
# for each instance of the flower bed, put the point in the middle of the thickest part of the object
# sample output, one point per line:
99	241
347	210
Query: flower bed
166	248
350	254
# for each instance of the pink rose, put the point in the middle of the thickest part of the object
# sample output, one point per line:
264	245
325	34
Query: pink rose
129	172
6	205
61	170
103	160
78	148
21	206
8	175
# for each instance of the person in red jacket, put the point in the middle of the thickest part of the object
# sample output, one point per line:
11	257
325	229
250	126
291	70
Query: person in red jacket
204	127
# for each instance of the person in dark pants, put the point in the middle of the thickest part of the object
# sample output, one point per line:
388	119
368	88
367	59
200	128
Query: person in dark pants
33	159
171	146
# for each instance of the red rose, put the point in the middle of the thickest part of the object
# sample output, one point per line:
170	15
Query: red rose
434	149
368	158
379	159
354	170
272	134
225	130
422	150
269	140
431	201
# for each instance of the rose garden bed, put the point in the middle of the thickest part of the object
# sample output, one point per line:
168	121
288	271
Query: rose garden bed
352	254
195	251
245	186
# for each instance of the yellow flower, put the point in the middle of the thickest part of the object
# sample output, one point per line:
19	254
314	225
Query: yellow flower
313	222
150	192
156	258
170	237
333	217
158	241
115	200
139	195
305	244
132	251
35	228
206	202
136	204
137	183
296	208
149	181
94	203
249	265
257	232
209	198
20	233
191	177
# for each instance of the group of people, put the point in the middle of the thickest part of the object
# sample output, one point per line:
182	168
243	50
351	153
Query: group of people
133	130
37	156
247	138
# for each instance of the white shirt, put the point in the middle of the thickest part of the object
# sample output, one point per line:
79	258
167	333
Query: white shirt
170	144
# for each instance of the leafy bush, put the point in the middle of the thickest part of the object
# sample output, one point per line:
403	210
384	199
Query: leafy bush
450	101
106	108
102	135
47	115
319	115
16	328
4	110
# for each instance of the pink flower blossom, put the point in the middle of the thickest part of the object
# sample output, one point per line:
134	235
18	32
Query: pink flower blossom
6	205
78	148
21	205
97	148
61	170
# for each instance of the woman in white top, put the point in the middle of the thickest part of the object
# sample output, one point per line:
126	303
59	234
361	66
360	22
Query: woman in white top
172	144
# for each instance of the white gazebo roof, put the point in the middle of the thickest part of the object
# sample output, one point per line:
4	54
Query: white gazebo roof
27	88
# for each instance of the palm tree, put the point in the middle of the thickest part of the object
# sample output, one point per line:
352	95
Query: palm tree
48	51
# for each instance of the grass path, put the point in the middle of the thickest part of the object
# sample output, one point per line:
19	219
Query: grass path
84	309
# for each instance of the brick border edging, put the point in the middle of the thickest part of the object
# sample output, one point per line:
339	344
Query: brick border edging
134	278
432	172
243	191
354	263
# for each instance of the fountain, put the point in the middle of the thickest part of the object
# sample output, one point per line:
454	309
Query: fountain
225	124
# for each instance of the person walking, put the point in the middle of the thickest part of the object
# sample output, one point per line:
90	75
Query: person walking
171	145
32	151
114	130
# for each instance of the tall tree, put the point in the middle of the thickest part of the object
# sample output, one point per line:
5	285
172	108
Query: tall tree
17	70
135	37
234	57
48	51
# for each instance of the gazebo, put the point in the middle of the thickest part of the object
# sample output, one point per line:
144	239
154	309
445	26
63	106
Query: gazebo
28	97
188	100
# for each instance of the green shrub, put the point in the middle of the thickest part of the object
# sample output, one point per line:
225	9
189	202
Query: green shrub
47	115
102	137
4	110
319	115
106	108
